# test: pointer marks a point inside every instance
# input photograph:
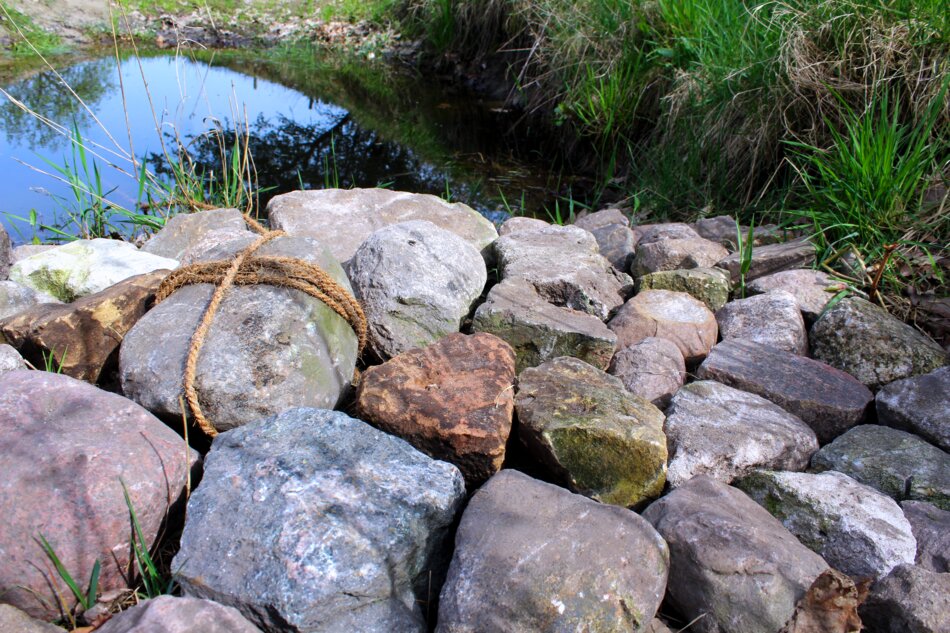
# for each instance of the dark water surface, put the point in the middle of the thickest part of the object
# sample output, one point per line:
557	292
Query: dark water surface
312	123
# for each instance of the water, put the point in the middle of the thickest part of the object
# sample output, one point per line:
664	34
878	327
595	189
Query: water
311	124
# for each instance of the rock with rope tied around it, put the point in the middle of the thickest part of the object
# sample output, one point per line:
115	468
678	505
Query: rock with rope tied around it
272	327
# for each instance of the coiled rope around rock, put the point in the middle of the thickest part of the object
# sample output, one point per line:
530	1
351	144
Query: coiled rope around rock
244	269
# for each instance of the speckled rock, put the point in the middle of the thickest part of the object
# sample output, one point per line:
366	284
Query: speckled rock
343	218
931	527
167	614
12	620
67	448
862	339
673	254
187	236
10	359
855	528
565	266
530	556
725	433
733	566
826	399
771	258
652	369
674	316
812	288
899	464
85	267
709	285
416	282
920	404
910	600
520	223
6	253
772	319
590	433
539	331
268	348
16	297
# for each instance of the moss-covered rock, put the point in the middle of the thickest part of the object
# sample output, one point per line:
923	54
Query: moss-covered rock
709	285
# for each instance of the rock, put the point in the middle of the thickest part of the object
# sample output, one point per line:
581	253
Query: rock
530	556
910	600
187	236
268	349
673	254
920	404
343	218
899	464
855	528
723	229
67	449
28	250
81	339
617	243
826	399
452	400
862	339
709	285
931	527
771	258
12	620
715	430
166	614
540	331
829	606
733	566
812	288
85	267
652	369
600	219
354	533
651	233
519	223
6	253
674	316
772	319
417	282
565	266
15	298
10	360
590	433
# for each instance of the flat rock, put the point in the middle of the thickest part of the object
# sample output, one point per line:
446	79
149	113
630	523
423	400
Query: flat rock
772	319
167	614
67	449
268	348
812	288
539	331
858	530
416	282
862	339
187	236
709	285
920	404
452	400
652	369
520	223
723	229
899	464
725	433
344	218
826	399
598	219
353	537
673	254
10	359
85	267
565	266
530	556
910	600
12	620
16	297
771	258
81	339
675	316
733	566
931	527
6	253
591	433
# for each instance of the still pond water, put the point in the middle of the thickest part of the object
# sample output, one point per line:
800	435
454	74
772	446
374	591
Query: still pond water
312	123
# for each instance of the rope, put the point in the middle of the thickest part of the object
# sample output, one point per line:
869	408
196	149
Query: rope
245	270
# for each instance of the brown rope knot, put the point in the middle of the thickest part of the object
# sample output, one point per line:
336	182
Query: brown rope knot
244	270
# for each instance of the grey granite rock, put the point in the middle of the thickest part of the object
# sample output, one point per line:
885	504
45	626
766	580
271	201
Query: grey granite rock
931	527
519	223
675	316
771	258
651	233
187	236
723	229
12	620
910	600
812	288
709	285
652	369
673	254
772	319
599	219
167	614
920	404
16	298
10	359
617	243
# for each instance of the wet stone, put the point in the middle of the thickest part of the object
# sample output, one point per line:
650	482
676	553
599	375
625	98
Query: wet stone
771	258
709	285
920	404
652	369
812	288
931	527
772	319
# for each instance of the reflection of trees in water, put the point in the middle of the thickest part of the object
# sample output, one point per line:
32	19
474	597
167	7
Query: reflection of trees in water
46	94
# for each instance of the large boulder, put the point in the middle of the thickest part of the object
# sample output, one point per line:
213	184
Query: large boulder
68	449
772	319
733	567
725	433
452	400
187	236
417	282
910	600
812	288
344	218
591	433
313	521
826	399
709	285
920	404
166	614
530	556
675	316
85	267
931	527
268	348
652	369
862	339
771	258
15	298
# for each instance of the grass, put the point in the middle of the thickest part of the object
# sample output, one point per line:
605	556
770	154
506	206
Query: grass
27	38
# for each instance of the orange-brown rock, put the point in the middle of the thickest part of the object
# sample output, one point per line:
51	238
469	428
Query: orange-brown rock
452	400
82	338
